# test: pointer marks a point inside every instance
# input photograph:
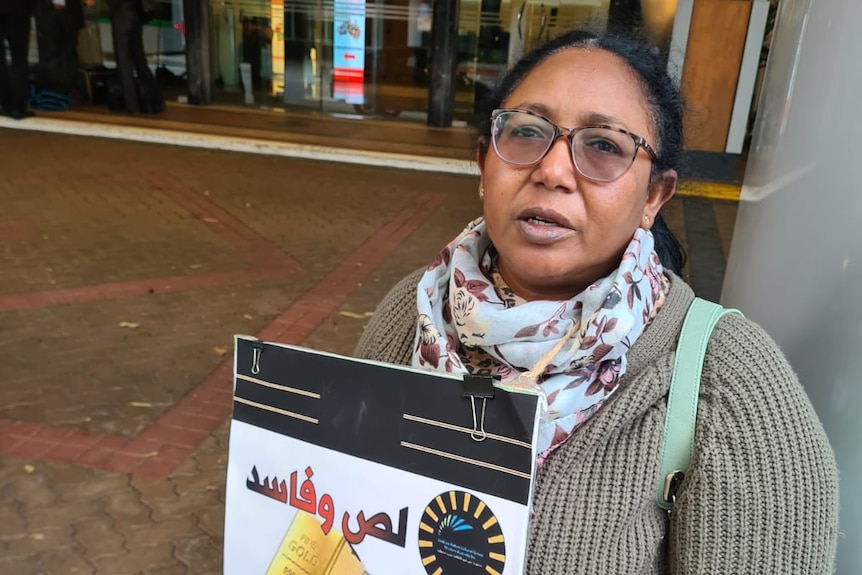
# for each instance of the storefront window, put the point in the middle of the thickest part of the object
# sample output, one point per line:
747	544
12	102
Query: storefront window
370	58
364	58
72	62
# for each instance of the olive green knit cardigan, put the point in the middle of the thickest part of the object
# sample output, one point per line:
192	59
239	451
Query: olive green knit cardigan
761	495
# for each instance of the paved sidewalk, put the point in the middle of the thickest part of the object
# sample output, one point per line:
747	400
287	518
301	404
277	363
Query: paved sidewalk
314	136
307	135
127	268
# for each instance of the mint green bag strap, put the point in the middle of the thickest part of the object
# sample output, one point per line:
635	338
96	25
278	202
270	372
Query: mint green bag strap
679	422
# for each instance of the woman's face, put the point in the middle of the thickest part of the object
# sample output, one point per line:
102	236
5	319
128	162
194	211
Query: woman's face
587	224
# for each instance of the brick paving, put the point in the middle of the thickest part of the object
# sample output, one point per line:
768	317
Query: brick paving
126	269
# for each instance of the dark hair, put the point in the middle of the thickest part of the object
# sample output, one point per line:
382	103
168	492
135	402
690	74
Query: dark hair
663	101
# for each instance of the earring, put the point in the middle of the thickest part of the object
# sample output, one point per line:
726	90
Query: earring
481	193
646	219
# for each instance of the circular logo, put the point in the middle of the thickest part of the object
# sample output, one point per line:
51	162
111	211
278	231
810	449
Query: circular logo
460	535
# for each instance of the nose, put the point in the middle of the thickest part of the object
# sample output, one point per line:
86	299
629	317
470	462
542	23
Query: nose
556	170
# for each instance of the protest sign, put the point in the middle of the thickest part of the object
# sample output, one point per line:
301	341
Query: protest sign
341	466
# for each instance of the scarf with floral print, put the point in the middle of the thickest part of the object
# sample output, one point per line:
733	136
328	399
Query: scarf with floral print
574	350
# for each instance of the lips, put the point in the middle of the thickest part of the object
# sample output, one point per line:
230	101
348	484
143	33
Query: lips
543	226
544	217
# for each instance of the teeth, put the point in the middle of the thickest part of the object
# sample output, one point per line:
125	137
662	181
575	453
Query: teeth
541	222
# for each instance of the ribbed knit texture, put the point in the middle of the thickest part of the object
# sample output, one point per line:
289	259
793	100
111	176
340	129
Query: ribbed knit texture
761	495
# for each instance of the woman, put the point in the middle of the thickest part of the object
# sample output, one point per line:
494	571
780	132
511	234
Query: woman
560	285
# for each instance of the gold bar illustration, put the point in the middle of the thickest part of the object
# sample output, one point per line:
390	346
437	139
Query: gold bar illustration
305	550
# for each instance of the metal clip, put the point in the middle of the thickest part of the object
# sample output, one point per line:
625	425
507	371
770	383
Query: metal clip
256	350
482	387
671	484
478	433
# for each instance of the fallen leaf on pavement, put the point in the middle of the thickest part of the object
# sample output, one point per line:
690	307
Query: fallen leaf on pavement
246	316
129	324
210	220
29	468
140	404
356	315
220	350
37	536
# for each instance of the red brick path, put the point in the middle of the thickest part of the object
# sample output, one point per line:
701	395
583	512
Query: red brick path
169	439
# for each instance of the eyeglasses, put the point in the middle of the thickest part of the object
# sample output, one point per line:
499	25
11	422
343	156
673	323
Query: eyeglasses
600	153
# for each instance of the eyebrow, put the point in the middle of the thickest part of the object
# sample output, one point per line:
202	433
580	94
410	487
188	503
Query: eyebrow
597	118
590	119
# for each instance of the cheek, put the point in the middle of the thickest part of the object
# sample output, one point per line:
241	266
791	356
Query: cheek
631	196
493	213
617	212
497	211
501	186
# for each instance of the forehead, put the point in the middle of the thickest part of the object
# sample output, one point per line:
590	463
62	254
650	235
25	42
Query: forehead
578	83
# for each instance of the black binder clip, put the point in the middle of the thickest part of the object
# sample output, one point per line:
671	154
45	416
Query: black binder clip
481	387
256	351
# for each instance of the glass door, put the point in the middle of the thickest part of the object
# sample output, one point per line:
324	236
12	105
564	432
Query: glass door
496	33
358	58
245	57
503	30
531	22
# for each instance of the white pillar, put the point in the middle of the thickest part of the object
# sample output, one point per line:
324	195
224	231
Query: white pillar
679	39
795	264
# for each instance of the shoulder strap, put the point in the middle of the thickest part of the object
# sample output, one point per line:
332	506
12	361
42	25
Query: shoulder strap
682	398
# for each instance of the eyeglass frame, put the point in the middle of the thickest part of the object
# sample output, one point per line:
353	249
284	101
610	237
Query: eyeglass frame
569	133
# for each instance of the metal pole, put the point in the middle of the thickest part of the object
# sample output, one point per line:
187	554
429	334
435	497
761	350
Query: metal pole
444	61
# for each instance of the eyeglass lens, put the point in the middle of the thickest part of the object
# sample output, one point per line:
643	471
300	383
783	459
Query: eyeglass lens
600	154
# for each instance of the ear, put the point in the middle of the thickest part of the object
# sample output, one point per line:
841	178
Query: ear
661	189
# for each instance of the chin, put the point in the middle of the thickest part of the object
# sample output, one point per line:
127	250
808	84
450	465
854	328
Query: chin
545	267
550	280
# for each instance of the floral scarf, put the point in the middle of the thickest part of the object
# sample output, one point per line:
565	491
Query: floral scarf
574	351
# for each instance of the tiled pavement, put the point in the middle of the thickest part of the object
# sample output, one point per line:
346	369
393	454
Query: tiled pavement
126	268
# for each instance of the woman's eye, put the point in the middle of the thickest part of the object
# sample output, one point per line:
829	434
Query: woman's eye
528	132
604	145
